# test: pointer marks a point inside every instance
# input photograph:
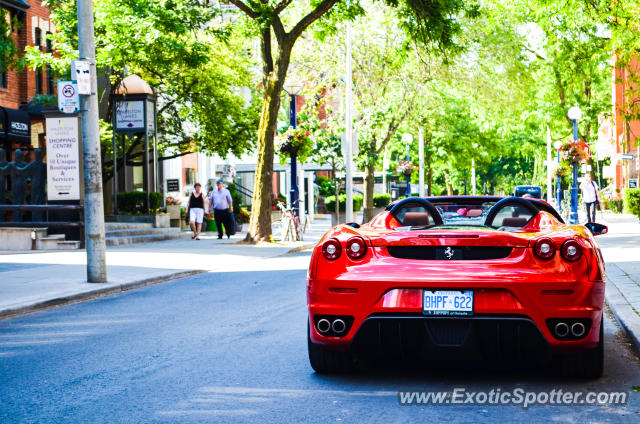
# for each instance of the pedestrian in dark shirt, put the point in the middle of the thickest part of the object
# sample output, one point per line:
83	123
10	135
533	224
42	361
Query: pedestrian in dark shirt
195	209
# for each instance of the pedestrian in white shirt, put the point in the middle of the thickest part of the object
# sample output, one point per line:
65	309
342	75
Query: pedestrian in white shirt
222	206
590	197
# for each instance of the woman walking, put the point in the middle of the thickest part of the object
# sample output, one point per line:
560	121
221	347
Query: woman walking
195	209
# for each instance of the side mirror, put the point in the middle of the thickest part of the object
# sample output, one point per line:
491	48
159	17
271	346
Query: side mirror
597	229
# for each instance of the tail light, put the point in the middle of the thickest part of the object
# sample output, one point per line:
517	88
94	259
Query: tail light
356	248
331	249
544	249
571	250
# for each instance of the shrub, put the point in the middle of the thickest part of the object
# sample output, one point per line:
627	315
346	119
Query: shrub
330	202
236	198
632	201
326	186
134	201
381	200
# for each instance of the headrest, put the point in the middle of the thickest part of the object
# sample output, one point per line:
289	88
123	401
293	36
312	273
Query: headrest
473	213
514	222
415	219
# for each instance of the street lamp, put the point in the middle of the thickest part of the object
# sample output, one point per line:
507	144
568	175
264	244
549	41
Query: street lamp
293	87
557	145
407	139
574	114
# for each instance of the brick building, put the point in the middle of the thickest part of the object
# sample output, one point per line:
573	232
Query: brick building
20	127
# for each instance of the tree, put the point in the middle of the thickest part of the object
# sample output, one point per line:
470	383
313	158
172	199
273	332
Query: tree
195	66
430	22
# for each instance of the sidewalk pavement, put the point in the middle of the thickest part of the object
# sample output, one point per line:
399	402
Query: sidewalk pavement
621	251
36	280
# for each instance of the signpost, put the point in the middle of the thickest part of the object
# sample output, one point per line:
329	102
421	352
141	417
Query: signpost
68	99
63	162
130	115
81	70
173	185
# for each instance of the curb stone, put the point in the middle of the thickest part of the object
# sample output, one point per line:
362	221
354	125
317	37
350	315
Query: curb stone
626	316
94	294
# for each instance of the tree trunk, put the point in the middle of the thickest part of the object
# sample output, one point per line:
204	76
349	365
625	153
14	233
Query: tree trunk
429	174
448	182
368	196
260	224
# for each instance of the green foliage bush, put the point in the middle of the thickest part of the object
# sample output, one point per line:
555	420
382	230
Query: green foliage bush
326	185
330	202
632	201
134	201
381	200
236	198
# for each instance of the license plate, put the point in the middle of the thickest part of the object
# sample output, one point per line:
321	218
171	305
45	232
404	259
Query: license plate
447	302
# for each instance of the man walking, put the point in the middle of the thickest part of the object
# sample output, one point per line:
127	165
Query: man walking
590	197
222	206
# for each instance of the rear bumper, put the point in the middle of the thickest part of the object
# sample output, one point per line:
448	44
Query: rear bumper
479	337
496	306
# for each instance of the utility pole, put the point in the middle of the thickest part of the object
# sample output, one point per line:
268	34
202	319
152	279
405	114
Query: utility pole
549	167
473	176
93	202
421	161
348	159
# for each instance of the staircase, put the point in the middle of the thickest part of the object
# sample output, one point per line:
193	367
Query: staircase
121	233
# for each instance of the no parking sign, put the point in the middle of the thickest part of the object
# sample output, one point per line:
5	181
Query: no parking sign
68	101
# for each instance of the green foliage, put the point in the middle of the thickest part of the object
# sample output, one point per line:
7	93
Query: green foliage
8	49
330	202
326	186
236	198
381	200
134	201
632	201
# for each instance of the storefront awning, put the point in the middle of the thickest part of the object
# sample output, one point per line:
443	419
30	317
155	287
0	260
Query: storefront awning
15	126
15	4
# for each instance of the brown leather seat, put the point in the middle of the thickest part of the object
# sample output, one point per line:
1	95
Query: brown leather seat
514	222
415	219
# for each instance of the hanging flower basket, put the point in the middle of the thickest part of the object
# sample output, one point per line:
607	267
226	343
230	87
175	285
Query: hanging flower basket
405	168
575	152
295	141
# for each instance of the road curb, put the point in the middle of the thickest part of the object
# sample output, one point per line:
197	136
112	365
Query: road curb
94	294
299	249
626	316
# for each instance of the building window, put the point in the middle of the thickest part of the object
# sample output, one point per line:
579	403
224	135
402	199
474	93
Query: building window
39	81
38	40
3	77
48	43
51	87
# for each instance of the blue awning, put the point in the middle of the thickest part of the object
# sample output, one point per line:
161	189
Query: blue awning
15	4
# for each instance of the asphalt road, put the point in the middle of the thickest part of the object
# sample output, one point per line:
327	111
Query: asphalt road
231	347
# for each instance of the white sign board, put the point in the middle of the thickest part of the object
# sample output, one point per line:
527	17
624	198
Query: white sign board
151	121
68	100
81	71
608	171
63	164
130	115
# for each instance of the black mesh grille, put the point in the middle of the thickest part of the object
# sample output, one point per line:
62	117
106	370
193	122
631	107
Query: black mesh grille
422	337
449	252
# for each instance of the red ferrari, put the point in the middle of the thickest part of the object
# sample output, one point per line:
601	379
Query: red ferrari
458	277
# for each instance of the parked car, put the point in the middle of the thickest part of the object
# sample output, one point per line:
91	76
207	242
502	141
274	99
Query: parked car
448	277
531	191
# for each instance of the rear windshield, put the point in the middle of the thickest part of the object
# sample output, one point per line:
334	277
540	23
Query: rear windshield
463	214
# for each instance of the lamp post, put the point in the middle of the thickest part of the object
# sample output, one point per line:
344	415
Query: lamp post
293	87
574	114
407	139
557	145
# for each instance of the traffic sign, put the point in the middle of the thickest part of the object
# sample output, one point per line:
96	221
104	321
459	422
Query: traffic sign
626	156
81	70
68	101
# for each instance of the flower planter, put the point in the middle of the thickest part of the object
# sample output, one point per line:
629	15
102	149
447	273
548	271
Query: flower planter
173	211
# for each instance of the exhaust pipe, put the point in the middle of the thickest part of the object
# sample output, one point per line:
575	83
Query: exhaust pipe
338	326
578	329
561	329
323	325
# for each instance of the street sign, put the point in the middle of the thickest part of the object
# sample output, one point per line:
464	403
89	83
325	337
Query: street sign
68	101
63	162
173	185
626	156
130	115
633	183
81	70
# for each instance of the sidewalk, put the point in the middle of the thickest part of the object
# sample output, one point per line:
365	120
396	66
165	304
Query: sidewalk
621	251
31	281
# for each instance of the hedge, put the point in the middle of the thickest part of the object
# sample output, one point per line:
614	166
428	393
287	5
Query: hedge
330	202
381	200
135	201
632	201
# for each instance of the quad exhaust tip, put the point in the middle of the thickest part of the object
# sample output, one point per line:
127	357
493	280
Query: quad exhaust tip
562	329
578	329
338	326
323	325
